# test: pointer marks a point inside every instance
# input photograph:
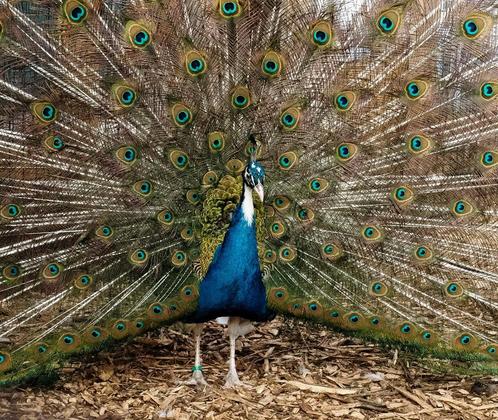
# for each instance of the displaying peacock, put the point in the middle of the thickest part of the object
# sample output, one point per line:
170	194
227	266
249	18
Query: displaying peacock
166	161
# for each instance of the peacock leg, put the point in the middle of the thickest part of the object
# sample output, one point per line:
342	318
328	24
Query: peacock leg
236	328
197	376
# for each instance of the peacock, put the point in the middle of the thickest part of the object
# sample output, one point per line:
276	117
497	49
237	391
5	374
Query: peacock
191	160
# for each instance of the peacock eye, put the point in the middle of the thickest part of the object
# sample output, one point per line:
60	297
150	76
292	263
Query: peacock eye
332	251
143	188
371	233
287	253
462	208
241	98
52	271
139	257
104	232
453	289
83	281
179	159
344	101
416	89
489	159
124	95
230	9
290	118
345	152
402	196
321	34
475	25
127	155
10	211
287	160
137	34
195	63
388	22
378	289
318	185
216	141
419	145
182	115
165	217
44	111
488	90
75	12
271	65
270	256
277	229
179	258
11	272
465	341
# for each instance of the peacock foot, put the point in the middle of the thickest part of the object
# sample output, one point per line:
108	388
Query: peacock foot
197	378
232	380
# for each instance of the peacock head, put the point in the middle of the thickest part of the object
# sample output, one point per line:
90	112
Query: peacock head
254	178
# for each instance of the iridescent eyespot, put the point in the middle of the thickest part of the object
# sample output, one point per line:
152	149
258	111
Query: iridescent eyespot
476	25
193	196
68	342
272	64
453	289
423	254
46	112
75	12
5	361
127	155
277	229
137	34
241	98
462	208
83	281
95	334
305	215
138	257
10	211
318	185
235	166
287	160
281	203
296	308
189	293
229	9
104	232
321	34
179	159
345	152
354	320
124	95
39	350
209	179
278	295
407	328
419	145
119	329
402	196
270	256
378	288
388	22
179	258
165	217
187	233
54	143
344	101
488	90
143	188
289	119
181	114
287	253
195	63
492	350
313	309
416	89
465	341
216	141
52	271
157	312
11	272
332	251
489	159
371	233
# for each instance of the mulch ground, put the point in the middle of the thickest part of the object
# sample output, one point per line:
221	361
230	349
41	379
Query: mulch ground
291	371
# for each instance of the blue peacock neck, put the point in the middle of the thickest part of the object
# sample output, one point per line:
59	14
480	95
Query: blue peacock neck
233	283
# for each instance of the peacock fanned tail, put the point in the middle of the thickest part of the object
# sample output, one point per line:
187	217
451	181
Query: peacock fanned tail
125	127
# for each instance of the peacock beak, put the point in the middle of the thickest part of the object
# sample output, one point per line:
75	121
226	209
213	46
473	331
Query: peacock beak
260	191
